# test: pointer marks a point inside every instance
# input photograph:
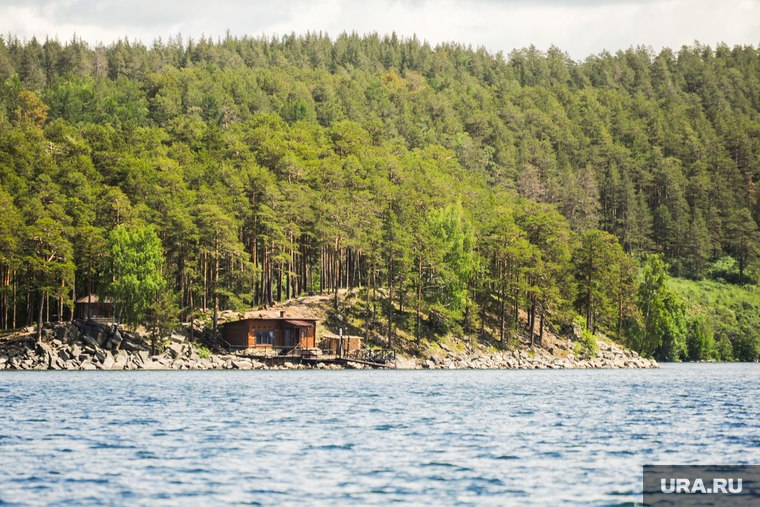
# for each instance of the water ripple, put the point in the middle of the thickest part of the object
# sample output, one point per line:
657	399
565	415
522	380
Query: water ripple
366	437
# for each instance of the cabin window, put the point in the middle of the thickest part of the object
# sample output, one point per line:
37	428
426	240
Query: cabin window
264	337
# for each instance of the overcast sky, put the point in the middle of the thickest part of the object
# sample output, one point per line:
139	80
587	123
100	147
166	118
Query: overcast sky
579	27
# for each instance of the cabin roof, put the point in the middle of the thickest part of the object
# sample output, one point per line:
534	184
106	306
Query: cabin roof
92	298
296	321
299	323
276	315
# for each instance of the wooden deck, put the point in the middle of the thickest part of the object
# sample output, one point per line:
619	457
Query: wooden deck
375	358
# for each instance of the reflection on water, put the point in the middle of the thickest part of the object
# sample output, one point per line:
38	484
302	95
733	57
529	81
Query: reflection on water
516	437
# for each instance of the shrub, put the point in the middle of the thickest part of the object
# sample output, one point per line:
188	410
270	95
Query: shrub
586	347
202	351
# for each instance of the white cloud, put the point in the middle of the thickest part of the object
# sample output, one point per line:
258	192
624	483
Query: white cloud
581	28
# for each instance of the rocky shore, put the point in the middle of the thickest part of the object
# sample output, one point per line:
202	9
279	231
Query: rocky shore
610	356
90	346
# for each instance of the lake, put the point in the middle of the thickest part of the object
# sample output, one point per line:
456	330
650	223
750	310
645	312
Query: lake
359	437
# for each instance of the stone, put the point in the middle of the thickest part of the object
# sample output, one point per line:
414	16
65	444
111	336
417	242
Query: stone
242	365
175	350
87	365
177	338
288	364
108	361
152	365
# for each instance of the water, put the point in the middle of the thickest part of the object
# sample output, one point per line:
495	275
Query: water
541	437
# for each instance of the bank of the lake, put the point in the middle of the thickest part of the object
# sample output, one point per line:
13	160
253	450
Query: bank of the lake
87	345
572	437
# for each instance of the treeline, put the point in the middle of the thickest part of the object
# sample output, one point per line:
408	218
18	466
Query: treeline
453	184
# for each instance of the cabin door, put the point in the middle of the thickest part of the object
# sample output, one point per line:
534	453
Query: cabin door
288	338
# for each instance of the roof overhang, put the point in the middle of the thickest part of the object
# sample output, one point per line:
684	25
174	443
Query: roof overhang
298	323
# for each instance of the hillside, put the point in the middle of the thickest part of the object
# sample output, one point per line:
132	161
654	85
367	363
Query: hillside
468	190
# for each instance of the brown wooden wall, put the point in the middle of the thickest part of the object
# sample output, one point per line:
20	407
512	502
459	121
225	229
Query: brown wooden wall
236	333
243	333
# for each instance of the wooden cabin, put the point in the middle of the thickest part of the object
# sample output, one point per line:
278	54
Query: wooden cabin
91	307
267	330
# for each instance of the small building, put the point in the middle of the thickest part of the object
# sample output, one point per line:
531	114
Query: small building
342	346
91	307
271	330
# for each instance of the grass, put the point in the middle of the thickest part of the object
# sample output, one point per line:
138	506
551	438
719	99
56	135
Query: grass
724	303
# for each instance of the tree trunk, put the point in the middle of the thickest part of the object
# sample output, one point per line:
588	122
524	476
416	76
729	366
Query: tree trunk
216	284
390	304
39	317
541	329
14	299
502	312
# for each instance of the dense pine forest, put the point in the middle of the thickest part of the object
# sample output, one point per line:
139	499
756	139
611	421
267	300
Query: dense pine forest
453	188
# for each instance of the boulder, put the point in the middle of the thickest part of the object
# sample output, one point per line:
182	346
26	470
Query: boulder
87	365
242	365
175	350
132	344
108	361
177	338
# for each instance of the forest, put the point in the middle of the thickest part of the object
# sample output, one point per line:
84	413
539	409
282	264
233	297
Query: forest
453	188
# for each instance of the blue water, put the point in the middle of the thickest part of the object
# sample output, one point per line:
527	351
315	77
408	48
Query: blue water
356	437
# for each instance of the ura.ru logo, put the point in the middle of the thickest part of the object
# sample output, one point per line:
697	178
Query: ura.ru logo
686	486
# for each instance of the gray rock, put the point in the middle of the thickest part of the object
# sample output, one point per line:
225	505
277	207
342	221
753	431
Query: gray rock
108	361
120	361
177	338
87	365
242	365
175	350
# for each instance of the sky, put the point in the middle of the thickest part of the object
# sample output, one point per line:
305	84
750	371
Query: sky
581	27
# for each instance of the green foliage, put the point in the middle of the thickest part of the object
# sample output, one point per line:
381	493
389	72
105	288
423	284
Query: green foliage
203	352
661	330
597	264
465	187
452	243
137	258
700	341
726	315
586	347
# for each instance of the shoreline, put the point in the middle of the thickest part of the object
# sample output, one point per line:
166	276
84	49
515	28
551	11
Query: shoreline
88	346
